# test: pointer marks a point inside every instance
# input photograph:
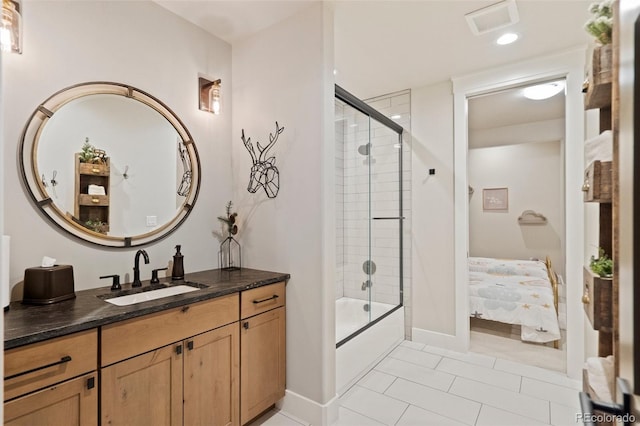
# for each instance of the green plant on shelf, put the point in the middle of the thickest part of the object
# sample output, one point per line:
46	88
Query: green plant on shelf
96	225
601	23
603	265
91	154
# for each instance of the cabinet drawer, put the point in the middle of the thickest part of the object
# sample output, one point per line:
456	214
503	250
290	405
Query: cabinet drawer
93	200
93	169
35	366
596	298
261	299
597	185
72	403
126	339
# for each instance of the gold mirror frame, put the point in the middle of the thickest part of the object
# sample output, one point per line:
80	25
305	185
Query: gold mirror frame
30	176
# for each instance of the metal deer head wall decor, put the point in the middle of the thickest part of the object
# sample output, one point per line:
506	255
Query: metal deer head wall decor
264	172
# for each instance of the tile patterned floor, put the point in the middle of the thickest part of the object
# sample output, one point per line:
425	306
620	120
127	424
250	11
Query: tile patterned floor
418	385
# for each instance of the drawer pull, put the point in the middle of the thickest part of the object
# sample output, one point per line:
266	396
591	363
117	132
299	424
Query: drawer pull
63	360
585	298
586	186
274	297
95	170
95	200
91	382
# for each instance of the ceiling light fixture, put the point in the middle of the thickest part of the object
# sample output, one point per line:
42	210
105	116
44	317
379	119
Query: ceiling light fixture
507	38
543	91
11	27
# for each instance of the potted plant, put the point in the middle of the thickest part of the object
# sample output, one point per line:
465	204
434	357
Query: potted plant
603	265
600	26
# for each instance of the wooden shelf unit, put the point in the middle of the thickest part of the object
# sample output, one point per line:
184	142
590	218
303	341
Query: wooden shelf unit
600	297
91	207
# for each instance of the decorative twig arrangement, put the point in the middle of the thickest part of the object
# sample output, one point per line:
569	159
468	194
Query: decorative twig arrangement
230	254
264	172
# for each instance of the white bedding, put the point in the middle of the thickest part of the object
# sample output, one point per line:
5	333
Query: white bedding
514	292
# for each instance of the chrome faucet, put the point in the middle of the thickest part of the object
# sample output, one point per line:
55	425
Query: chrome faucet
136	267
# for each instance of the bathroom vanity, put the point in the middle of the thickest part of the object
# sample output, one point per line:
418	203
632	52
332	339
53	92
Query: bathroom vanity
214	356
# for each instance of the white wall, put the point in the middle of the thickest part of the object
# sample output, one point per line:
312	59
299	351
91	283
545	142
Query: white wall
432	209
138	43
285	73
532	173
629	11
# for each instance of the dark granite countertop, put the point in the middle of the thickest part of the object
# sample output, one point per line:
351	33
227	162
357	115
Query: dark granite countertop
24	324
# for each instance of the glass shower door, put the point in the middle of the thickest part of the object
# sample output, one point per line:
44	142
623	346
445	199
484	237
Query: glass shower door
369	219
385	225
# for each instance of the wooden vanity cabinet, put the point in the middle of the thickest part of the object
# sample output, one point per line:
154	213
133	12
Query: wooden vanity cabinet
198	364
70	403
53	382
262	349
191	381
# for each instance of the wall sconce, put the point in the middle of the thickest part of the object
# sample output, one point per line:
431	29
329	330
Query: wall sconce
11	26
209	95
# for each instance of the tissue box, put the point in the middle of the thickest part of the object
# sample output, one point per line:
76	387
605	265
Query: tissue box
45	285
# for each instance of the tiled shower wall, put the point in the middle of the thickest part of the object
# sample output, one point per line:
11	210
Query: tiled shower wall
352	190
339	141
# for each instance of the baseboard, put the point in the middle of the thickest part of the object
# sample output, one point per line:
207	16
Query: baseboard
441	340
307	411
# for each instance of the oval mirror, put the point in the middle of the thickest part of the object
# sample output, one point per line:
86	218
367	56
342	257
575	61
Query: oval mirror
110	164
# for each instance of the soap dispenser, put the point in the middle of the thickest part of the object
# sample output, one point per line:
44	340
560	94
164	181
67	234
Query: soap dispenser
178	266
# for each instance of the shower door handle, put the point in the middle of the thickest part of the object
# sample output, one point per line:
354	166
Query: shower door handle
388	218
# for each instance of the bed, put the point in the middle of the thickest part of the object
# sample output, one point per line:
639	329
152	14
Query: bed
522	292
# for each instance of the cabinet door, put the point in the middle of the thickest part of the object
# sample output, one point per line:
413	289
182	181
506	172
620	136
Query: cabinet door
144	390
74	402
262	362
211	374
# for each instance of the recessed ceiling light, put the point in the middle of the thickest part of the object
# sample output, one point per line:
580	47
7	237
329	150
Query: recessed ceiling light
396	116
335	72
543	91
507	38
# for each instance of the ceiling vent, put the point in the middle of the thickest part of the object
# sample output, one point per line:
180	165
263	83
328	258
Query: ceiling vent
493	17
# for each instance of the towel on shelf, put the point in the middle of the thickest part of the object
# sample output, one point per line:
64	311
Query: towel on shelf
97	190
601	377
599	148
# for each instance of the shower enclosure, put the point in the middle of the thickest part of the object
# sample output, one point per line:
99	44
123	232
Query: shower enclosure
369	217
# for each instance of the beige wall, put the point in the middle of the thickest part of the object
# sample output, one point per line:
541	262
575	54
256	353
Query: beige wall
533	175
285	73
629	11
138	43
432	203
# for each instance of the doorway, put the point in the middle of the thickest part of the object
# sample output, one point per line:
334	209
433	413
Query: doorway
568	65
516	241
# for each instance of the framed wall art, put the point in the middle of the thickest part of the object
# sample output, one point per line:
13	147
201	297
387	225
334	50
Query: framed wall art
495	199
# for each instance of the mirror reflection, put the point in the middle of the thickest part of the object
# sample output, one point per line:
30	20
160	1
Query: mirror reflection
141	170
110	164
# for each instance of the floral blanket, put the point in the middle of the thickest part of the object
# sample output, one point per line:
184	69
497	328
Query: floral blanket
514	292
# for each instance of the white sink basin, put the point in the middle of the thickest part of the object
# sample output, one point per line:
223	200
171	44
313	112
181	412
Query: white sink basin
132	299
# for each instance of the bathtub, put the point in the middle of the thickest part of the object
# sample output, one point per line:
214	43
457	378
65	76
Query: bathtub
355	357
